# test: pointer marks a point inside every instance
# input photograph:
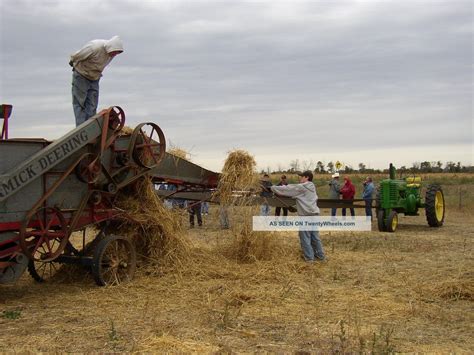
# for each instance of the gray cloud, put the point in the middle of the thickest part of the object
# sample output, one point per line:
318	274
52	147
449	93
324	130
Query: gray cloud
282	79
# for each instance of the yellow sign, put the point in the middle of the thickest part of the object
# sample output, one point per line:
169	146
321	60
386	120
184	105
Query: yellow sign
338	165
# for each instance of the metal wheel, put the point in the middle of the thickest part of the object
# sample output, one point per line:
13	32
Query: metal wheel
434	206
147	145
114	261
42	271
88	170
392	221
116	118
44	235
45	271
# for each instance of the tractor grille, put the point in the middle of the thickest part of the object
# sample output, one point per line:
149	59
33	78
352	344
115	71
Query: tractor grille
393	191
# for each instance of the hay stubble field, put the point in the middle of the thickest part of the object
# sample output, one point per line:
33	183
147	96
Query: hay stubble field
379	292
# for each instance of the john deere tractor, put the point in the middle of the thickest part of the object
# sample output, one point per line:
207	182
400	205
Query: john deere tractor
396	196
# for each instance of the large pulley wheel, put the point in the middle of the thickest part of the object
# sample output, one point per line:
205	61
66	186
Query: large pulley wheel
434	206
44	235
114	261
147	145
116	118
88	169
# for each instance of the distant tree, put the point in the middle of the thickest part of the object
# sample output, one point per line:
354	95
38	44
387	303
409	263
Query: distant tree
450	167
415	167
348	169
295	165
320	167
362	168
307	165
330	167
425	167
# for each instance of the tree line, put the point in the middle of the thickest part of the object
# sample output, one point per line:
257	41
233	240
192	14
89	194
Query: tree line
417	167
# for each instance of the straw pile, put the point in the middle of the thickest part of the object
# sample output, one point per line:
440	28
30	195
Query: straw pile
156	230
239	175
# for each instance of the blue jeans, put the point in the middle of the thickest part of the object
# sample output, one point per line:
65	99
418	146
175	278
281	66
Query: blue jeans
333	211
85	97
265	210
368	207
311	245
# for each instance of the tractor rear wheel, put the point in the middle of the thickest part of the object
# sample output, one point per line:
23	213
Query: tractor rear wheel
392	222
434	206
114	261
381	221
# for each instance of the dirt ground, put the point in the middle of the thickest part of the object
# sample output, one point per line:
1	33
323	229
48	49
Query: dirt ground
411	291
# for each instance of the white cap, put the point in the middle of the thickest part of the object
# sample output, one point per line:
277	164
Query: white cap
335	175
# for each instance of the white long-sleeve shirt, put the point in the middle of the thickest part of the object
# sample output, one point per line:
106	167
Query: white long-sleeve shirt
92	59
304	194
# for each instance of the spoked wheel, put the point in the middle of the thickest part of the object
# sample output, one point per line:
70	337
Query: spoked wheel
44	234
45	271
434	206
116	118
42	271
114	261
147	145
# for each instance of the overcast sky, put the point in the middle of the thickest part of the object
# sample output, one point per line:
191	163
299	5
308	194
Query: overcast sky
355	81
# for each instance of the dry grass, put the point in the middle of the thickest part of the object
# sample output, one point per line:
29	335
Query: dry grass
157	232
180	153
408	292
239	174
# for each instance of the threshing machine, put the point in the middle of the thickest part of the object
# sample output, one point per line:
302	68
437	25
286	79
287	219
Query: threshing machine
396	196
48	190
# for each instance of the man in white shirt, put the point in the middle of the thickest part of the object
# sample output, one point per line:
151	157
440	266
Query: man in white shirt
88	63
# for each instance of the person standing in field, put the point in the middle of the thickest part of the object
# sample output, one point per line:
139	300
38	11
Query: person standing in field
334	191
367	196
306	204
266	184
348	193
194	209
282	182
87	64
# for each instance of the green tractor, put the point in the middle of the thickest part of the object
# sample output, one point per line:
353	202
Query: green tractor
396	196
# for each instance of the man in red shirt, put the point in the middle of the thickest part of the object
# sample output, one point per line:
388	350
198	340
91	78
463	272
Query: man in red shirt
348	193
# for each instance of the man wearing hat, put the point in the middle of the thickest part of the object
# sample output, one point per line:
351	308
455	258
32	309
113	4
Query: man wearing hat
306	204
334	191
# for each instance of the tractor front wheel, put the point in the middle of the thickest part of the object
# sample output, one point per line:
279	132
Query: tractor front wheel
392	222
434	206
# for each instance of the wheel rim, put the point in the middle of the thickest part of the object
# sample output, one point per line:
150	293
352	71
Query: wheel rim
45	270
394	222
148	145
44	235
439	206
116	263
